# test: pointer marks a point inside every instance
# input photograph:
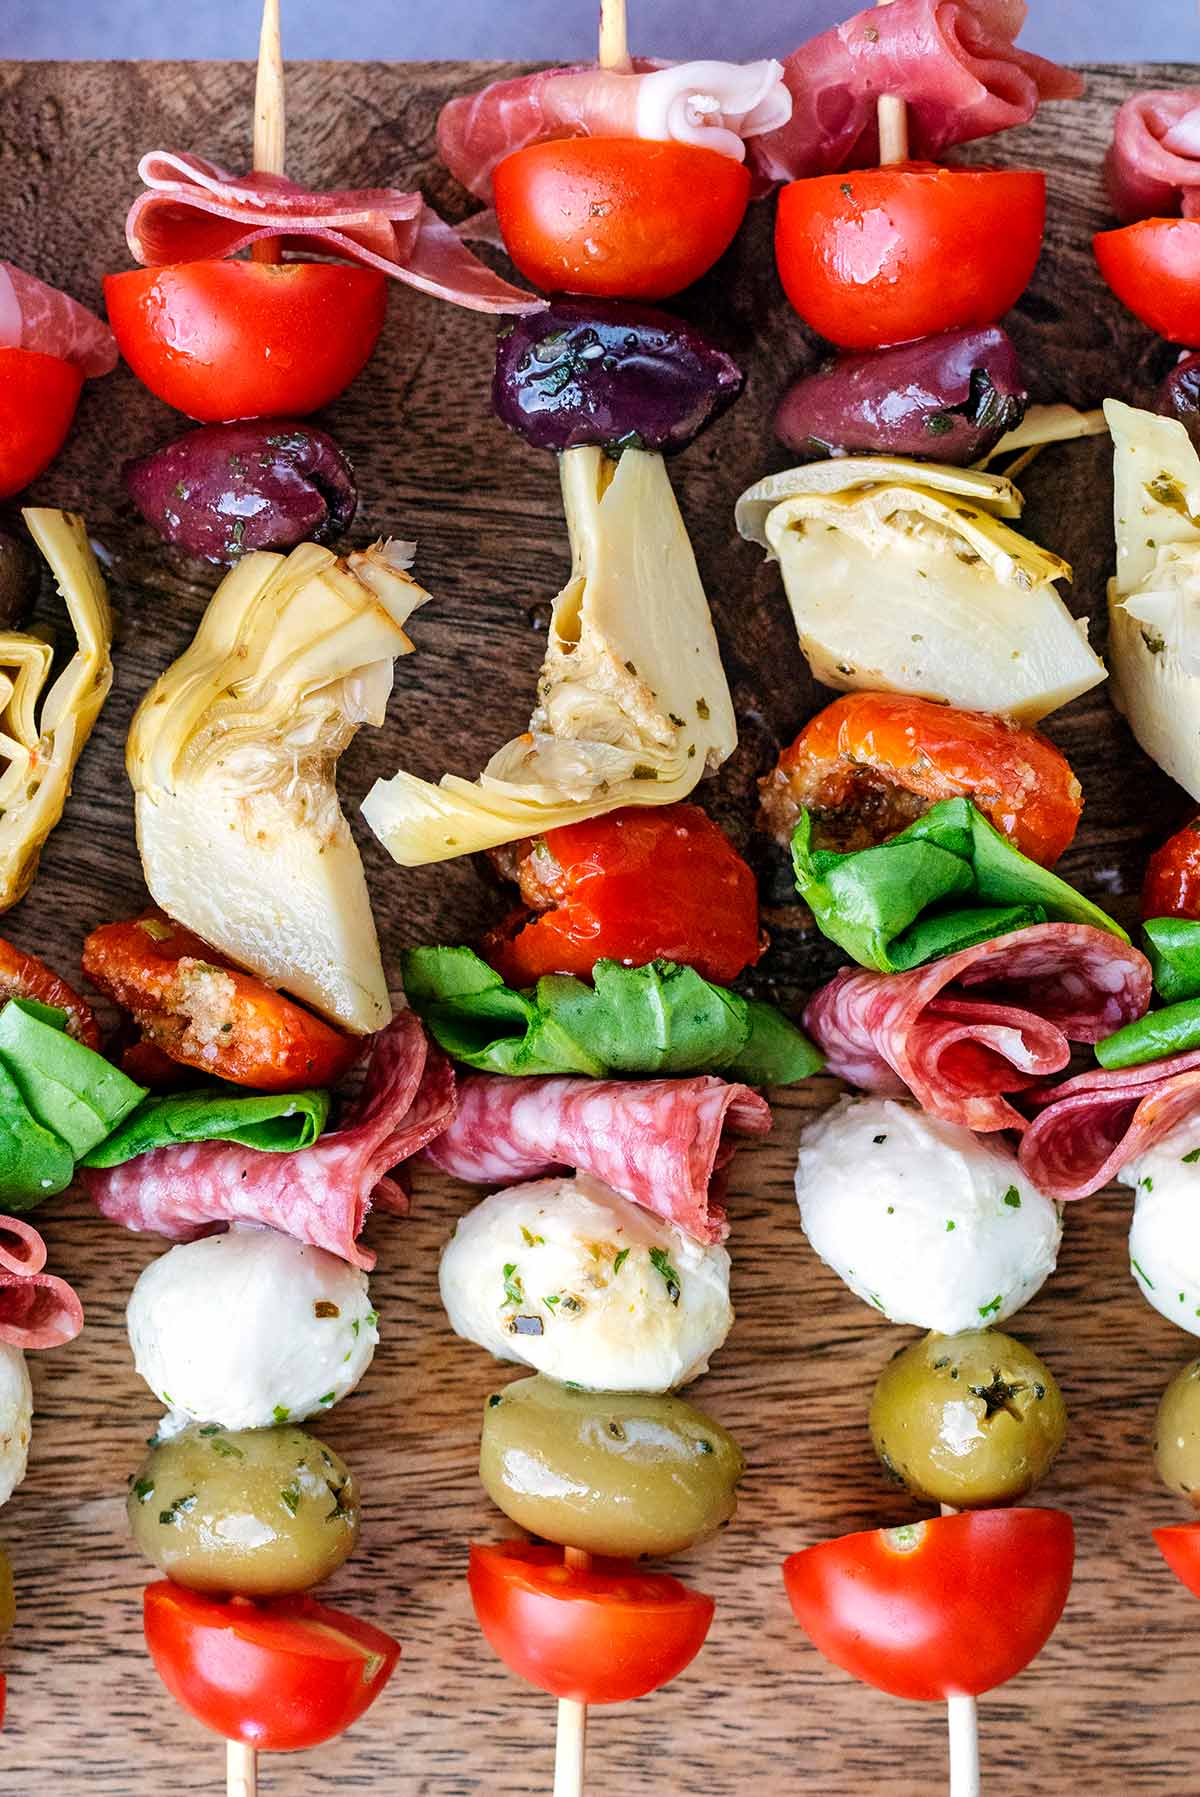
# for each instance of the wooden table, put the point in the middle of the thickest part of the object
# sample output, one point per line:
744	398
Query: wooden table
1114	1702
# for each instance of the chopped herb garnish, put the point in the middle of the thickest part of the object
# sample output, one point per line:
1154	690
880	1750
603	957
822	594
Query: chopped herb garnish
289	1496
662	1265
142	1489
619	1259
211	1429
329	1398
1194	1155
220	1446
514	1291
950	1225
990	1310
179	1508
551	1301
530	1240
1012	1198
702	710
280	1414
371	1318
1141	1275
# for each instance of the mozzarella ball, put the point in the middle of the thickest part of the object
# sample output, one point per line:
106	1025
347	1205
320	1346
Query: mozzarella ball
16	1419
568	1277
250	1328
929	1223
1164	1237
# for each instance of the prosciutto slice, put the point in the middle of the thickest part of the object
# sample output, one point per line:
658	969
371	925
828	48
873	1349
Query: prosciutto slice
1153	163
320	1194
660	1142
992	1020
36	316
1090	1127
716	105
192	209
37	1309
953	61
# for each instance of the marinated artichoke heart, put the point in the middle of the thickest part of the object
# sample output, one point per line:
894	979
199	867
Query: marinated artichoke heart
1154	597
39	748
232	755
632	706
902	577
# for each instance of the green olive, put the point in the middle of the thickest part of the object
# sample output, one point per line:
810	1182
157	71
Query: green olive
619	1473
261	1512
968	1420
1177	1433
8	1601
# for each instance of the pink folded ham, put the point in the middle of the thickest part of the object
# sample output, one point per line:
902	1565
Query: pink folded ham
38	317
1153	164
192	210
991	1020
320	1194
660	1142
716	105
953	61
37	1309
1088	1128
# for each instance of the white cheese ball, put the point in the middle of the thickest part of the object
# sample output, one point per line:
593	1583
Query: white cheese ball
568	1277
16	1419
250	1328
1164	1237
928	1222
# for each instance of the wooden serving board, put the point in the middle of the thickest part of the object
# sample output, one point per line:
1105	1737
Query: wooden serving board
1114	1702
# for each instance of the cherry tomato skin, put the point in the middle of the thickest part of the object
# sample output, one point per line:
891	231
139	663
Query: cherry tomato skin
618	217
280	1674
24	976
949	1607
881	256
1153	267
224	340
1180	1548
607	1634
38	397
1172	887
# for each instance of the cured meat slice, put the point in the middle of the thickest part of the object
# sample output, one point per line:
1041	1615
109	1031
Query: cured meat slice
660	1142
716	105
1153	163
953	61
991	1020
320	1194
1088	1128
36	316
37	1309
192	210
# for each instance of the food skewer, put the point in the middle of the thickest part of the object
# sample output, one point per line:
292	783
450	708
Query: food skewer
241	1770
270	119
893	124
963	1719
570	1744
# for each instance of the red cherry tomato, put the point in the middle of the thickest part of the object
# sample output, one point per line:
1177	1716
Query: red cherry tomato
1172	886
279	1674
638	885
618	216
1153	267
246	339
945	1608
38	396
606	1634
1180	1548
884	255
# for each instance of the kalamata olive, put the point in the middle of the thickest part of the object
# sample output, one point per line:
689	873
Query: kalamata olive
969	1420
225	489
948	398
18	580
611	374
262	1512
1179	395
1177	1433
621	1473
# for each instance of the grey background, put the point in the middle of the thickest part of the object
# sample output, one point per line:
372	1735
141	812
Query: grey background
395	30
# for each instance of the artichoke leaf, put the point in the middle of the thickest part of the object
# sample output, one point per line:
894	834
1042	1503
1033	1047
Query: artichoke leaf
232	756
632	701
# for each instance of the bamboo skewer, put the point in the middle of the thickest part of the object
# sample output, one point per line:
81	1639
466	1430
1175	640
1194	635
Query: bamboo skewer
270	128
241	1770
893	123
963	1719
614	40
570	1741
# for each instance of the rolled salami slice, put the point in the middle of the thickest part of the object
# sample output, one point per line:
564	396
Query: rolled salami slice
36	316
1153	164
991	1020
321	1194
1088	1128
660	1142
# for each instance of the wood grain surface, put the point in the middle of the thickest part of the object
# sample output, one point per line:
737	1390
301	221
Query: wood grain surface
1113	1702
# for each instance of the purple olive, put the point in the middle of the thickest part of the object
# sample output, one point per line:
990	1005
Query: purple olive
225	489
1179	395
948	398
610	374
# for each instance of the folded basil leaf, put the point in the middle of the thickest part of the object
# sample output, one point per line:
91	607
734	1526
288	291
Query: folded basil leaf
1173	949
1173	1030
277	1122
658	1019
34	1163
66	1086
948	882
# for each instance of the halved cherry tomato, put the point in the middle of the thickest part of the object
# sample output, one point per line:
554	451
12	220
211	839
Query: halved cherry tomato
1153	267
606	1634
1172	887
639	885
198	1009
884	255
223	340
280	1673
24	976
870	763
38	397
618	216
945	1608
1180	1548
